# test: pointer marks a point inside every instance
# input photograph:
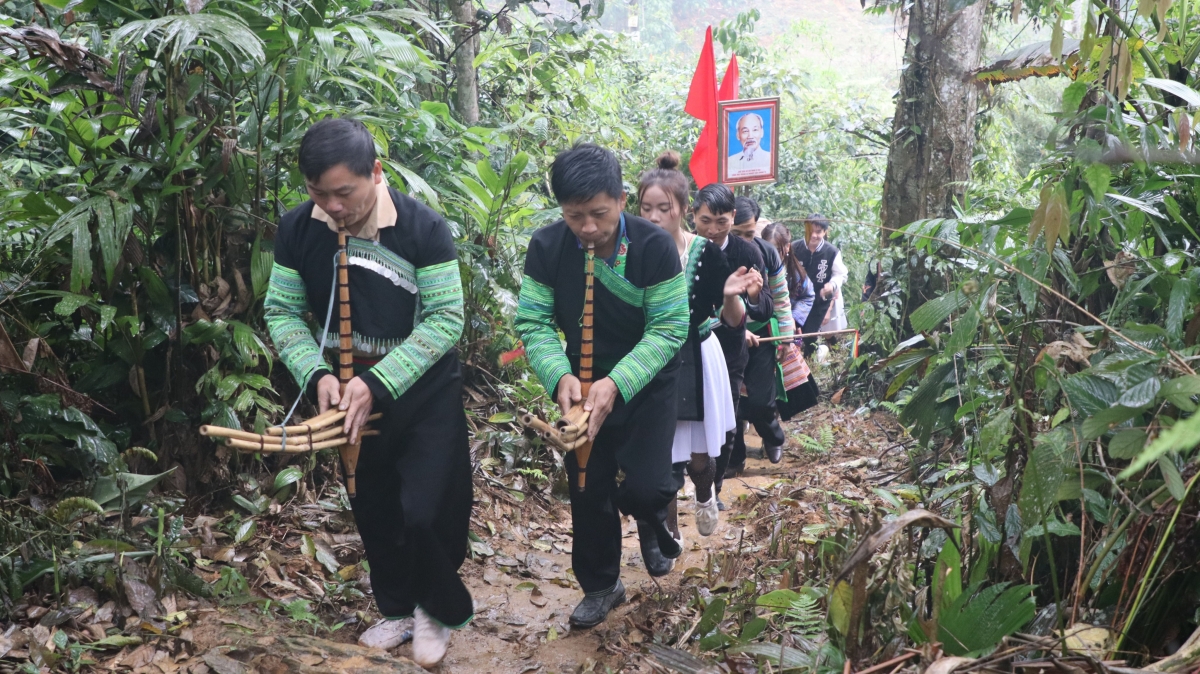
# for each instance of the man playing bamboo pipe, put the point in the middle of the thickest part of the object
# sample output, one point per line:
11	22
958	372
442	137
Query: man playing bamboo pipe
414	479
641	319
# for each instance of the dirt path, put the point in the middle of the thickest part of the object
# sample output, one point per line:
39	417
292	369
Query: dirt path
301	605
517	631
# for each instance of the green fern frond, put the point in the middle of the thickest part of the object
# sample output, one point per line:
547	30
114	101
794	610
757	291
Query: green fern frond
805	617
810	444
826	438
890	406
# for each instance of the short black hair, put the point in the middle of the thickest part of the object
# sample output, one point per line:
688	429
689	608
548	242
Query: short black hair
818	220
337	140
718	198
747	210
584	171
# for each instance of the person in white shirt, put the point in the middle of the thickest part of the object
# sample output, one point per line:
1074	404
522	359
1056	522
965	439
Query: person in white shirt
754	159
823	263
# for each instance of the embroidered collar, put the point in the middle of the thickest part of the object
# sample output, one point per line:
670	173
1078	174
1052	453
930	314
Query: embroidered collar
382	215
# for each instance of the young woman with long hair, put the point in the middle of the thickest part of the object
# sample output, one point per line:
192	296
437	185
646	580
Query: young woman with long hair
801	294
705	412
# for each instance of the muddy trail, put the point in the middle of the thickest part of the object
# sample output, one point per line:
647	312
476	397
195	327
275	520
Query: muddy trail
292	596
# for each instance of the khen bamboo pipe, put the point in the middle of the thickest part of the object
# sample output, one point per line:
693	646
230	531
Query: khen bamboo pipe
349	453
300	448
584	449
323	420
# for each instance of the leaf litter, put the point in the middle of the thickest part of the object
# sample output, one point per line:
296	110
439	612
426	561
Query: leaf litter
302	560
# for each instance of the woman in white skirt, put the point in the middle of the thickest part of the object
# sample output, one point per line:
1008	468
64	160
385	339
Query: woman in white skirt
705	404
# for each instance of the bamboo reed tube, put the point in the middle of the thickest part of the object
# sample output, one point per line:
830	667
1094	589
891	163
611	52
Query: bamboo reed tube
584	449
349	453
299	449
316	423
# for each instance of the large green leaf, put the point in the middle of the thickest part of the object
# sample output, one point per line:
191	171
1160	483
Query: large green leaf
114	222
1090	394
978	619
1043	474
107	491
936	310
964	333
1183	436
921	409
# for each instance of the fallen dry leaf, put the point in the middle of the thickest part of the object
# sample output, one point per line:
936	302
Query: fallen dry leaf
918	518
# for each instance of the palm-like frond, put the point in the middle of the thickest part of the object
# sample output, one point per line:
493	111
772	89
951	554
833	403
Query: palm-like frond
414	18
182	33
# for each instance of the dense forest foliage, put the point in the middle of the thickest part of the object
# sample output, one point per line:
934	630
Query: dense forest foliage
1038	343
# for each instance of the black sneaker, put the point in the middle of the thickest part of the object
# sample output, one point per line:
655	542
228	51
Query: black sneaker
595	607
774	452
731	471
721	505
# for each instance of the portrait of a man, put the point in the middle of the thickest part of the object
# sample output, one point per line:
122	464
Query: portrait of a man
747	136
755	159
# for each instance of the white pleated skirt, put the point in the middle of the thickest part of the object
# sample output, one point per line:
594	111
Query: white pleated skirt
707	436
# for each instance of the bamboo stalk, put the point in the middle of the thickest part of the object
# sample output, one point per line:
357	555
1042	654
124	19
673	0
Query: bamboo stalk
583	449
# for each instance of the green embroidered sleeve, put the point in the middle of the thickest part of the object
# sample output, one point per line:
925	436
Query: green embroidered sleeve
666	309
536	327
783	303
440	326
285	306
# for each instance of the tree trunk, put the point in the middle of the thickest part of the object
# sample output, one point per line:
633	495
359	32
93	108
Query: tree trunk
933	132
466	87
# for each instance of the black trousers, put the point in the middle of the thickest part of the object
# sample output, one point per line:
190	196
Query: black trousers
733	345
413	507
812	324
758	405
640	446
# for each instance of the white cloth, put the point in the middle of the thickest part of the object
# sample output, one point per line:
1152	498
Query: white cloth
706	437
837	318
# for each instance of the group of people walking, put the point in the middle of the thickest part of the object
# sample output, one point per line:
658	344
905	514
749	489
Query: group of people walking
676	355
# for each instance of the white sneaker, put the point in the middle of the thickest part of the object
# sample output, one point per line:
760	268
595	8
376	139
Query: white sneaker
430	639
707	516
385	634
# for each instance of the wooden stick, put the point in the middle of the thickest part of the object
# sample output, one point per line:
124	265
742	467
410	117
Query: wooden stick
884	665
796	336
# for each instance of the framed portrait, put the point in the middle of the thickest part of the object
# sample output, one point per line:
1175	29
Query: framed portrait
747	138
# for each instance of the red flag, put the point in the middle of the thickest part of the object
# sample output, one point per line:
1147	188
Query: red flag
731	83
702	95
702	104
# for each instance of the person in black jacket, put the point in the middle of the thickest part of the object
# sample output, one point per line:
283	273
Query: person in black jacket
413	506
640	306
759	407
713	212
